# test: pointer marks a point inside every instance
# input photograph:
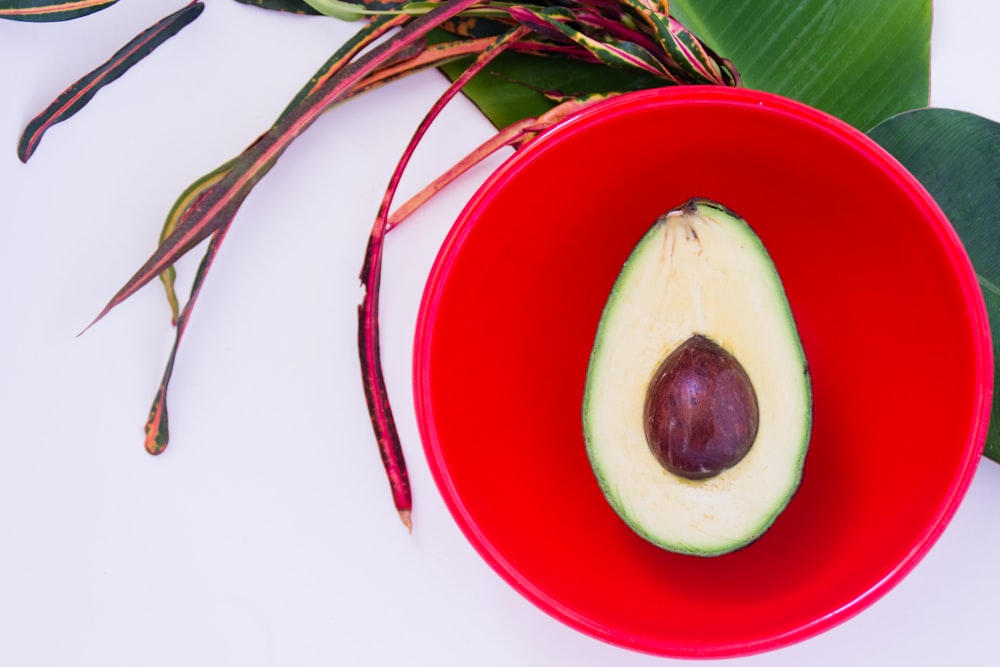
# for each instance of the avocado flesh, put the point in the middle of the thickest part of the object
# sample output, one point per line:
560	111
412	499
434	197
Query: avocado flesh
699	271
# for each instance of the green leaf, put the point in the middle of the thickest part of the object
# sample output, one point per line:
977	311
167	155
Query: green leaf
859	60
956	156
517	85
43	11
80	93
293	6
344	11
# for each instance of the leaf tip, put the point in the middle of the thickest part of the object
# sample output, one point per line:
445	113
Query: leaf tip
97	319
157	434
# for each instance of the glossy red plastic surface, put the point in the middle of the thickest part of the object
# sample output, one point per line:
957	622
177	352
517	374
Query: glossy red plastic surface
888	310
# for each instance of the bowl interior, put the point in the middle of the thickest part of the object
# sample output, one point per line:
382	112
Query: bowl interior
889	317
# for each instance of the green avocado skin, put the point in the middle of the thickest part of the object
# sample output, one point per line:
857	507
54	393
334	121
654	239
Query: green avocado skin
699	270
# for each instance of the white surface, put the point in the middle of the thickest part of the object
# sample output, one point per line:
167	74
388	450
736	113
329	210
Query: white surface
265	534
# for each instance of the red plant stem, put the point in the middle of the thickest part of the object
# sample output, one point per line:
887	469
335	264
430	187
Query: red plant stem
376	393
506	137
515	135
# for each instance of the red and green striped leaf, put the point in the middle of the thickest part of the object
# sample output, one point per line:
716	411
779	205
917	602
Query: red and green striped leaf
626	55
689	51
80	93
169	276
44	11
433	56
689	57
157	424
216	205
545	22
376	28
157	431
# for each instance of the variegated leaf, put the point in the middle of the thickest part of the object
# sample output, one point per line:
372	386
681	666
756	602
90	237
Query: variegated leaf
687	55
217	204
194	191
626	55
80	93
44	11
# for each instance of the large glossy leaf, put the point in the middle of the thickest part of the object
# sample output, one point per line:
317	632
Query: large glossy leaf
956	156
859	60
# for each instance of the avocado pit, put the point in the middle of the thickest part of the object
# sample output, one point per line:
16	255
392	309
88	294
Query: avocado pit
701	413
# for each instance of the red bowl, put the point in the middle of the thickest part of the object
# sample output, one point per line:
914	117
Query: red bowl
890	316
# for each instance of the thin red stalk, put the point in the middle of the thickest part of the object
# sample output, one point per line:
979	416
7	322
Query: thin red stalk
376	394
504	137
515	135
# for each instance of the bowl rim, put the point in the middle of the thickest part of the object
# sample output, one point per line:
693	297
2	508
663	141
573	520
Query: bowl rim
795	112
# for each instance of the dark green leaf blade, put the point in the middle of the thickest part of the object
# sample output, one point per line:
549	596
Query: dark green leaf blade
513	86
80	93
859	60
956	156
293	6
46	11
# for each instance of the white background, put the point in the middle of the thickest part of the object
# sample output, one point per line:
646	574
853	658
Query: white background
265	535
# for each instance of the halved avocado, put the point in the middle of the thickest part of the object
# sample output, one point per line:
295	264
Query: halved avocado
698	407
